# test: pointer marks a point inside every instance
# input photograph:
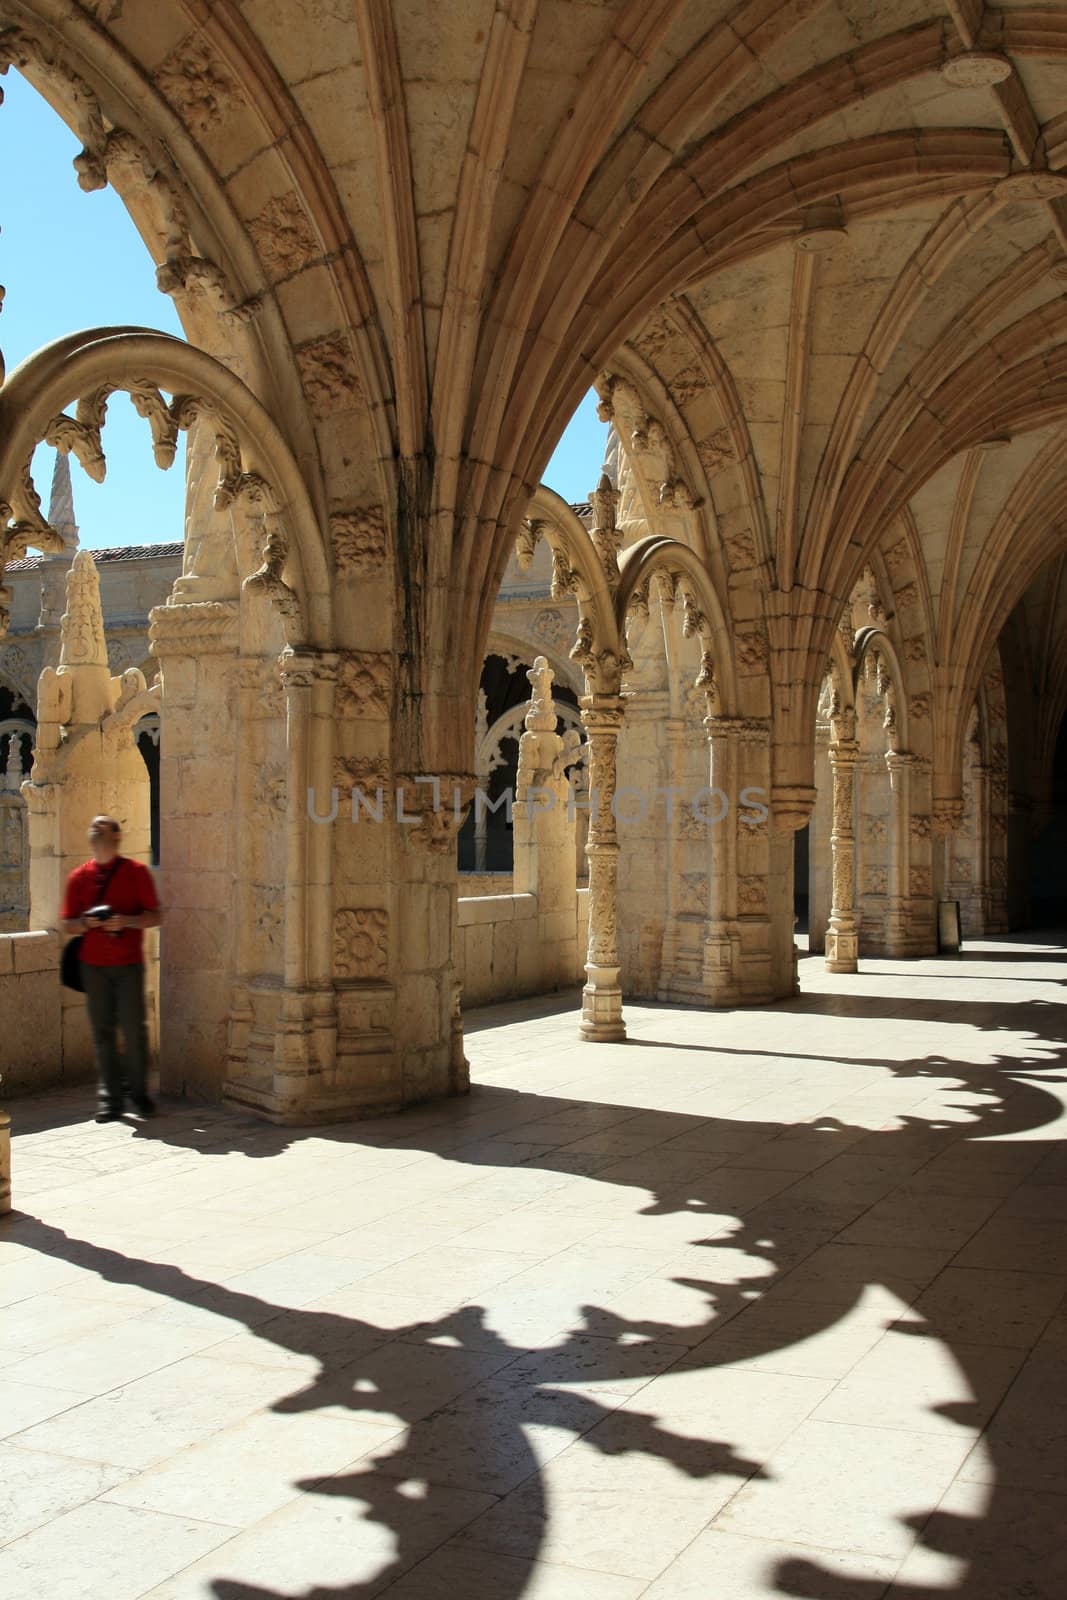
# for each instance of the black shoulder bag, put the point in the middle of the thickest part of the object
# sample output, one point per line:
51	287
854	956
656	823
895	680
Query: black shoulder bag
70	971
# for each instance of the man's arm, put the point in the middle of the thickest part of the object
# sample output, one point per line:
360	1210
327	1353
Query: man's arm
70	927
144	919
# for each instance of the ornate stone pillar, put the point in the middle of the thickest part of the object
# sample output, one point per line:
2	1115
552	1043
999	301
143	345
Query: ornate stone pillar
945	820
202	841
983	893
5	1162
602	716
545	862
842	938
899	933
722	941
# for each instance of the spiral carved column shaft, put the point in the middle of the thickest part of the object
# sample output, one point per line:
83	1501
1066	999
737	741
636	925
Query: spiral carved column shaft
842	938
602	997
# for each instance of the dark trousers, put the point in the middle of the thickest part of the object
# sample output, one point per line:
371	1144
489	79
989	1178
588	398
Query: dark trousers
116	1000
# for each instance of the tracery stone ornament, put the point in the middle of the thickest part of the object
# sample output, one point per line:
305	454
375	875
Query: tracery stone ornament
875	880
602	997
907	596
564	578
361	944
358	539
329	376
192	79
526	541
283	235
676	495
605	389
258	500
605	532
919	707
364	684
694	621
637	615
842	937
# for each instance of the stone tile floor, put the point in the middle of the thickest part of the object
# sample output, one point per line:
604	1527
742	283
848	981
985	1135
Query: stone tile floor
758	1304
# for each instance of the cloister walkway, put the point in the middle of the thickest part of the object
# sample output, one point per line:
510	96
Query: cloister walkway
765	1303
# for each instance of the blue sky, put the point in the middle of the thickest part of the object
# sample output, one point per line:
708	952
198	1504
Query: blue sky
71	260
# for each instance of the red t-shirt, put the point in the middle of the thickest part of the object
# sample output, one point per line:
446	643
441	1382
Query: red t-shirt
130	890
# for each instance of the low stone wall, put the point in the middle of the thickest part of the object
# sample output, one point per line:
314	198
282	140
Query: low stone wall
44	1029
500	953
478	884
45	1041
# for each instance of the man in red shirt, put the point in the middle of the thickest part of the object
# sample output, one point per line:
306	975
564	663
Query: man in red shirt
112	963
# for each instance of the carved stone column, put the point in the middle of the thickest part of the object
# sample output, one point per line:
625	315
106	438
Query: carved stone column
842	938
5	1162
945	820
602	996
899	932
545	863
196	645
722	942
983	893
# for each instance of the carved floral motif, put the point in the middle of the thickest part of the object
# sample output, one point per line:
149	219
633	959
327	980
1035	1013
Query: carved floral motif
364	684
194	81
328	373
283	235
358	536
360	944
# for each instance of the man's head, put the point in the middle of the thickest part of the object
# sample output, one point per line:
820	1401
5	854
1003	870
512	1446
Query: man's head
105	836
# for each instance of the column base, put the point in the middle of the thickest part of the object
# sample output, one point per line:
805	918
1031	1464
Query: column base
602	1007
842	952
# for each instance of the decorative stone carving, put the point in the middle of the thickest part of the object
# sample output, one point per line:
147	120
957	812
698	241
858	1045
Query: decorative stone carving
875	829
360	944
652	338
270	919
271	799
688	383
752	650
919	707
367	773
751	895
606	533
191	78
717	451
550	626
875	880
906	597
358	538
526	541
741	550
564	578
364	687
919	882
328	373
898	557
284	237
915	648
